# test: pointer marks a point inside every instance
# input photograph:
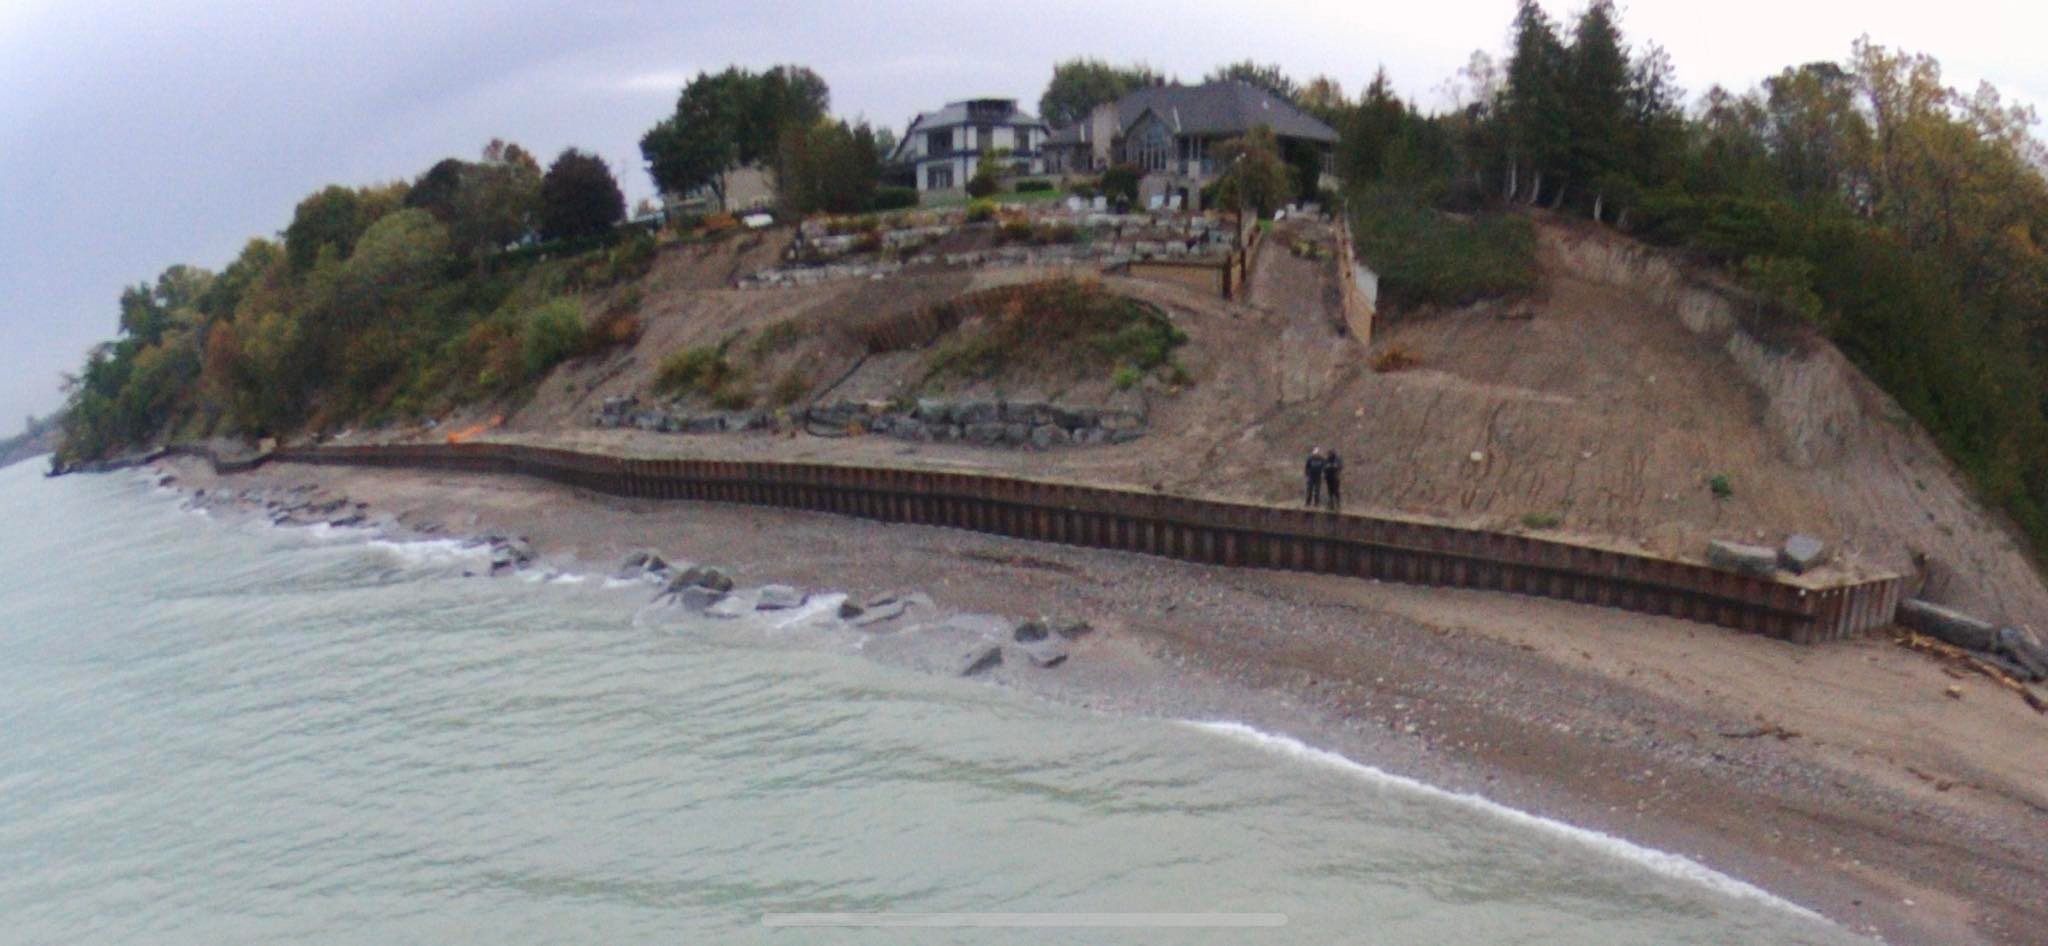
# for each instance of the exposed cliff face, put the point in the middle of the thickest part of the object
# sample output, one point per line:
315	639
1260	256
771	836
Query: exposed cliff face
1880	475
1814	400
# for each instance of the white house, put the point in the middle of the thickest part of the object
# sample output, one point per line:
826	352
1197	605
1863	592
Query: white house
943	147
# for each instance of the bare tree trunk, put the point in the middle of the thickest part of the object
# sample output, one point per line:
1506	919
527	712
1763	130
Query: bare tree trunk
1536	188
1561	190
1621	220
1598	199
1513	182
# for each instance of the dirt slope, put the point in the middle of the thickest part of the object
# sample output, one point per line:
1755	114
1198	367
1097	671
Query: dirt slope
1611	404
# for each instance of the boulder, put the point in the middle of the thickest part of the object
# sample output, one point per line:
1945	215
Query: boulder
850	609
1045	654
976	412
879	613
985	434
1941	623
1016	435
1048	436
698	598
779	598
2024	650
1030	632
1742	559
701	576
510	554
982	659
732	606
643	562
932	411
1802	553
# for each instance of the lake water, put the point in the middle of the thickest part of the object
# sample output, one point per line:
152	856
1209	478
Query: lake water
223	732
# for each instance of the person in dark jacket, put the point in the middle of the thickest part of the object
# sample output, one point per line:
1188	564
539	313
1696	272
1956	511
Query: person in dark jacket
1314	472
1333	467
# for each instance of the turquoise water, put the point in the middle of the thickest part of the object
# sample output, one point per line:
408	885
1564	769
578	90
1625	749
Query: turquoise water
223	732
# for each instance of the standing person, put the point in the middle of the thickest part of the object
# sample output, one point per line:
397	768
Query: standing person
1314	472
1333	467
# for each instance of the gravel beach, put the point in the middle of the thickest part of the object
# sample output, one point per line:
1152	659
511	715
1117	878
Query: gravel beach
1859	780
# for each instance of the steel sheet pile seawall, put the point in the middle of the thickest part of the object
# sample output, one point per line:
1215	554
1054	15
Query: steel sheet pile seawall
1196	530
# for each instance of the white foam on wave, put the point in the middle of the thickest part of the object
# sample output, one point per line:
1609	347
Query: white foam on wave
1661	862
812	607
432	553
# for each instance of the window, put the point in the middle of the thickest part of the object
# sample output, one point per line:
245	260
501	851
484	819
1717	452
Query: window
938	142
1153	147
1023	136
938	179
984	139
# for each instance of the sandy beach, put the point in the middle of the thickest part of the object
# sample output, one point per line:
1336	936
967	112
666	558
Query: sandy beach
1858	780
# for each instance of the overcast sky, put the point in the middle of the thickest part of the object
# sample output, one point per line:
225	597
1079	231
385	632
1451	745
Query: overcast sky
136	135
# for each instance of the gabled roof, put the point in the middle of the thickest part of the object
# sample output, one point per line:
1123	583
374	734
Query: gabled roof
1225	108
956	114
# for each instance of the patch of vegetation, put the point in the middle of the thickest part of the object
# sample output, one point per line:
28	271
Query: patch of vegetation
1070	319
1425	256
1720	486
1395	357
1541	520
790	388
550	335
775	338
981	211
704	372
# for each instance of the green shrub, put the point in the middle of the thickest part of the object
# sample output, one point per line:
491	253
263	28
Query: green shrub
1032	185
1541	520
1121	182
981	211
790	388
1016	231
981	185
1426	257
776	337
895	198
1720	486
1125	377
692	370
550	335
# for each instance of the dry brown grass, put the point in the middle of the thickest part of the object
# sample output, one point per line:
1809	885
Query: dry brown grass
1395	358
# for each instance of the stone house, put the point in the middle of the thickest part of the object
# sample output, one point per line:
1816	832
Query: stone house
942	148
1171	131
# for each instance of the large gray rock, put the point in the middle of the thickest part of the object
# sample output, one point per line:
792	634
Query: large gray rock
1802	553
851	609
1046	653
779	598
985	434
1944	624
701	576
1743	559
1016	435
2023	649
697	599
1048	436
1029	632
976	412
880	613
643	562
981	660
733	606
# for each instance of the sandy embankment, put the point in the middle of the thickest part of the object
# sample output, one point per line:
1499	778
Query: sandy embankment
1841	777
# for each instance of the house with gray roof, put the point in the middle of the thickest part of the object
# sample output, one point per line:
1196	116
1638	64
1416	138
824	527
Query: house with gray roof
943	147
1170	132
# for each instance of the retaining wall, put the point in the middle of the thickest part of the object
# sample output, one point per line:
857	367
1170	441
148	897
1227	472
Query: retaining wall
1195	530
